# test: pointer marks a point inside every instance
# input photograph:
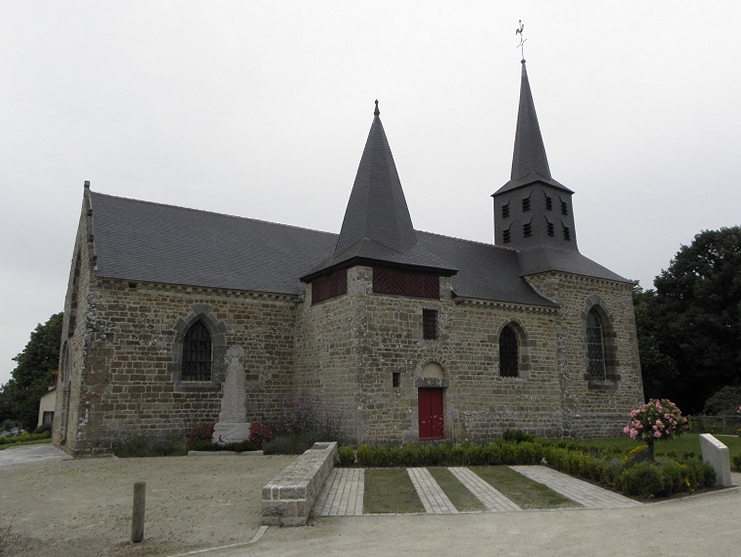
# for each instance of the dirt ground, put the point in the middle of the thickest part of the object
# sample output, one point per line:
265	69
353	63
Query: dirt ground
80	508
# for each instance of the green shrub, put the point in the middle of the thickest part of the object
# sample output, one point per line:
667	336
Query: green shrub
346	455
23	438
237	447
290	444
517	436
43	428
409	456
642	480
633	473
709	476
673	478
199	435
145	445
736	460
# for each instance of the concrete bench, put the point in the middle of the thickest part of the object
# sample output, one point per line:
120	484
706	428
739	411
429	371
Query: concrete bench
288	498
716	453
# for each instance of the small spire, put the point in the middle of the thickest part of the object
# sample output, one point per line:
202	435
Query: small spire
376	112
529	153
377	209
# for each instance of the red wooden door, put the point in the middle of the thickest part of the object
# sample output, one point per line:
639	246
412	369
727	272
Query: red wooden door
431	418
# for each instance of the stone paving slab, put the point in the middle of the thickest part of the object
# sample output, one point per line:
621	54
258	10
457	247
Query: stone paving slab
342	495
492	499
432	496
584	493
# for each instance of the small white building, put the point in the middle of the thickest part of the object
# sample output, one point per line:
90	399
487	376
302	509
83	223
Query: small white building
46	406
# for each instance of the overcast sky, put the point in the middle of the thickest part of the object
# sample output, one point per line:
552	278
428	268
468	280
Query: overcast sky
261	109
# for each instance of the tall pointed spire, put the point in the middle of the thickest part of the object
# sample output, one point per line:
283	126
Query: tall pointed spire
377	228
529	153
377	209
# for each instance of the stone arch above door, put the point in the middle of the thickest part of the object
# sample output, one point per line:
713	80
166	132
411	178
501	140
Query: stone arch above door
431	374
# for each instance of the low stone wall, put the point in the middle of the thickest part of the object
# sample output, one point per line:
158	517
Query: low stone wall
288	498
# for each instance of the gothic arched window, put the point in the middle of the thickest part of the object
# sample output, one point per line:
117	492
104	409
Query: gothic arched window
595	347
196	353
509	354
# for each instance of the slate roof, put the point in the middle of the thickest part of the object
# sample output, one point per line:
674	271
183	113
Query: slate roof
377	209
377	226
138	240
142	241
543	259
529	161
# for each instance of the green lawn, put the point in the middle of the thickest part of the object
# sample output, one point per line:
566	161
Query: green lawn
521	490
389	490
690	442
462	499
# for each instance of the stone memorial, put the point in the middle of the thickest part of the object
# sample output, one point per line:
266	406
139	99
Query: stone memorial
232	426
716	453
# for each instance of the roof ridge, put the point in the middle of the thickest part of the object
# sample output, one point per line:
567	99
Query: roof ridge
204	211
505	248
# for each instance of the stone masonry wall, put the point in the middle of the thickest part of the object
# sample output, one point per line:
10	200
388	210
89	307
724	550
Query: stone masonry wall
327	341
130	375
122	343
594	410
74	333
487	404
348	349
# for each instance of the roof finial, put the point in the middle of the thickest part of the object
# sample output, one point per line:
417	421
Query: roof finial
521	46
376	112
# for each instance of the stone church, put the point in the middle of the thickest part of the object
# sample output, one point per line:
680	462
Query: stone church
402	335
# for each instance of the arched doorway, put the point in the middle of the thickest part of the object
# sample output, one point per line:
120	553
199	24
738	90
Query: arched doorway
431	403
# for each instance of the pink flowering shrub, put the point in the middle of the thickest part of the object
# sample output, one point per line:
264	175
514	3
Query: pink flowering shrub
260	433
657	419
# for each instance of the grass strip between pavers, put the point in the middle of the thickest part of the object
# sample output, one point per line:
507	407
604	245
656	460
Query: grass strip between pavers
390	490
521	490
459	495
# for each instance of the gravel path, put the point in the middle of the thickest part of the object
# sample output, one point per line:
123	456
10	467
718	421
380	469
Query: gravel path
80	508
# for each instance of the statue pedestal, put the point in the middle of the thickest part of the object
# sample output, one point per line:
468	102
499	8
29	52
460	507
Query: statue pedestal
230	432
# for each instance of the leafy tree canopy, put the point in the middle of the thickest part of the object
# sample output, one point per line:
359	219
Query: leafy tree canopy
32	374
690	326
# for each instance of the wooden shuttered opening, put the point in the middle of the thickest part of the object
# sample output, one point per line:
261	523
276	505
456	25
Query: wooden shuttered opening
329	286
402	283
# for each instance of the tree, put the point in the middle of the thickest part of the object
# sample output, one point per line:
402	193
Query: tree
656	420
31	377
691	324
660	374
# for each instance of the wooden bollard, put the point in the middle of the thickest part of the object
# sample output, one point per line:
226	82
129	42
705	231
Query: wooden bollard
137	516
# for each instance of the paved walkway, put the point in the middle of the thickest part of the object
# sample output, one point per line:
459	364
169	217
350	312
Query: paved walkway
586	494
31	453
433	498
342	494
492	499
